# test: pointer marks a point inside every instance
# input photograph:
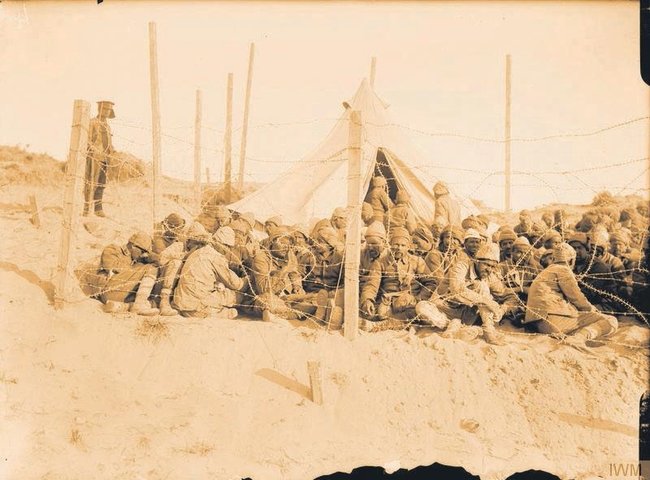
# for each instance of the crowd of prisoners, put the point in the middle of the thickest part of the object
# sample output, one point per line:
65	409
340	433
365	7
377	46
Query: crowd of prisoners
572	281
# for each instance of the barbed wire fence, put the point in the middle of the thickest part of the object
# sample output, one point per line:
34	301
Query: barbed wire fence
129	178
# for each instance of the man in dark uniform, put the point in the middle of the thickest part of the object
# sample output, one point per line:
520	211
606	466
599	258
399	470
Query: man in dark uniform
100	149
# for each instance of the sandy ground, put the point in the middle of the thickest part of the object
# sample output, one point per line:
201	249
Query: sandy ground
89	395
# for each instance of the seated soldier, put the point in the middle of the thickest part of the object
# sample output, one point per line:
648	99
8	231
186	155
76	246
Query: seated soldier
557	306
450	248
276	281
375	249
127	274
367	214
223	242
379	199
547	219
507	237
469	294
396	282
593	275
401	215
551	239
271	226
527	227
332	230
561	224
214	216
472	241
600	242
169	251
206	284
519	271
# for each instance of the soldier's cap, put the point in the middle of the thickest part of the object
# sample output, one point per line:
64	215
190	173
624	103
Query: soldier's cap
524	213
301	229
340	212
402	196
399	232
440	188
625	214
198	233
277	221
619	237
484	219
280	232
521	243
379	181
327	235
174	221
563	252
225	235
424	233
454	231
142	241
550	235
471	233
488	253
599	237
222	212
471	222
579	237
376	229
507	234
106	105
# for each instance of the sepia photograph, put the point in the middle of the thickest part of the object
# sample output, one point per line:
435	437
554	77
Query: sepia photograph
324	240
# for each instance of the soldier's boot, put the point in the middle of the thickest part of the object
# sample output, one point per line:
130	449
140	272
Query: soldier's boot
321	305
335	320
99	210
141	306
491	335
166	308
86	209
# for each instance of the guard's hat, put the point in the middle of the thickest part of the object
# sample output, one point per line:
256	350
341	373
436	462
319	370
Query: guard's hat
106	106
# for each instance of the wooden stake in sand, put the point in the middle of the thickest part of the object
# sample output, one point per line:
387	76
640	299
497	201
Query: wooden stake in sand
35	211
244	130
508	166
353	236
227	144
207	175
72	199
155	120
197	154
373	67
315	382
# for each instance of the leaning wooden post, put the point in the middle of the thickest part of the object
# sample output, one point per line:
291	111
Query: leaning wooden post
35	211
74	174
244	130
353	236
227	144
207	175
197	154
155	121
315	382
508	165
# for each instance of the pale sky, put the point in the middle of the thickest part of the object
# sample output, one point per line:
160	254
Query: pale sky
440	66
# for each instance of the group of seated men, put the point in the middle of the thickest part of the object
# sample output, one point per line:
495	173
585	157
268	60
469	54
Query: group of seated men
544	276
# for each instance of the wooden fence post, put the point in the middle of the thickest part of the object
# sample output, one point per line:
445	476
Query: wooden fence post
72	199
315	382
155	121
244	130
353	236
227	144
35	211
197	154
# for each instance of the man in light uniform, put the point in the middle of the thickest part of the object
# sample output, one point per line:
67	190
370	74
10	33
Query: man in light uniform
100	149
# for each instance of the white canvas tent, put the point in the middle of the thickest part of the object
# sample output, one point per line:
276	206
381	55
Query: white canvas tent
316	185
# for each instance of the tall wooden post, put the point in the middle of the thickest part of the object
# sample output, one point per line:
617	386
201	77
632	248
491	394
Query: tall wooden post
74	174
227	144
508	167
373	67
353	236
207	176
155	121
197	154
244	131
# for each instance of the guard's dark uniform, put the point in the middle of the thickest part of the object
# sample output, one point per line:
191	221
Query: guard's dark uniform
100	148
